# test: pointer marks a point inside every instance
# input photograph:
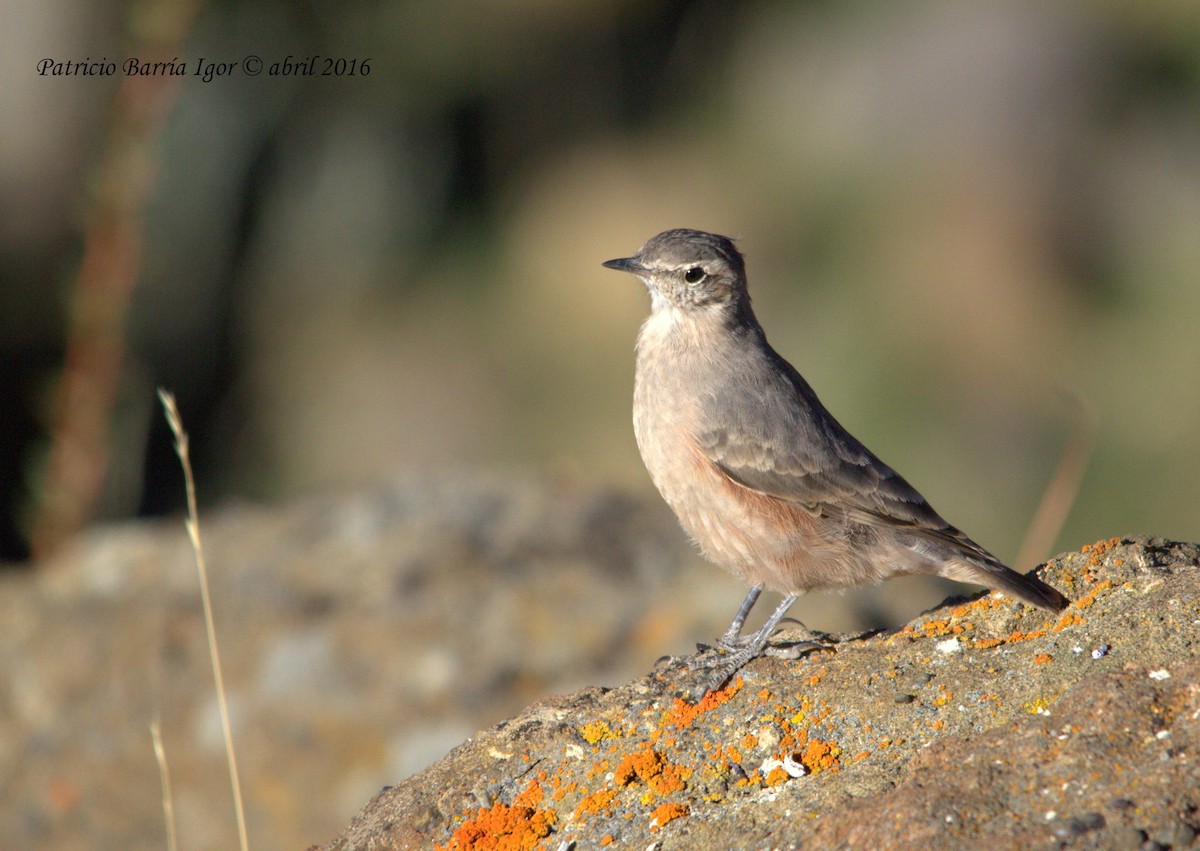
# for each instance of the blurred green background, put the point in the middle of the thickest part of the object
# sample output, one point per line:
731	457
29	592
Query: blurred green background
964	223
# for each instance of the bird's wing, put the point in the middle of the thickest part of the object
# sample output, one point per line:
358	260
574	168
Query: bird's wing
779	440
839	481
857	488
775	437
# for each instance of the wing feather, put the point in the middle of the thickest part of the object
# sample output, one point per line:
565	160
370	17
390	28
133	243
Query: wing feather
795	451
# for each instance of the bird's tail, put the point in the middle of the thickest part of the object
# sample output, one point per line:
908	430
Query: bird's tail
1022	586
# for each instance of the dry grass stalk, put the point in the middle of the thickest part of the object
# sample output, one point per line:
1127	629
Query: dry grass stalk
193	528
164	777
1061	492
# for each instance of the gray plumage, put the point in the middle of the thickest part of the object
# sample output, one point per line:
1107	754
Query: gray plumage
759	473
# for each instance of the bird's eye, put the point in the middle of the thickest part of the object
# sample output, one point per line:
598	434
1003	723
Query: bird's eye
694	275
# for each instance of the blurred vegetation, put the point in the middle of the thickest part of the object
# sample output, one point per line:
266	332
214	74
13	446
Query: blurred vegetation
962	222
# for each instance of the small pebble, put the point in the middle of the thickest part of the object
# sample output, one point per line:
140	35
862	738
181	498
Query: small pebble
950	645
1101	651
904	698
1120	804
789	764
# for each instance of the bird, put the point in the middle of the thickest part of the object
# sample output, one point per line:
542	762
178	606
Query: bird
759	473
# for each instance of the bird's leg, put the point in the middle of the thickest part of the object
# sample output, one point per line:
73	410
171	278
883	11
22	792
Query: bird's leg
732	640
752	646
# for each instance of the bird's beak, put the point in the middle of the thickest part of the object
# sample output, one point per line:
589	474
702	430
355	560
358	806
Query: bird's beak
627	264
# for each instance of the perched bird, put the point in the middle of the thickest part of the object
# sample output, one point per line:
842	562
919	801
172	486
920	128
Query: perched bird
761	476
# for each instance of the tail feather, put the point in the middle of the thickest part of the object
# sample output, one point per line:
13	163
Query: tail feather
1022	586
955	556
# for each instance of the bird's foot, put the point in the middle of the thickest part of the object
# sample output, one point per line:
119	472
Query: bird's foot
732	653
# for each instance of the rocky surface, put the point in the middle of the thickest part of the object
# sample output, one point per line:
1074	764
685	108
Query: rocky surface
363	636
366	635
979	723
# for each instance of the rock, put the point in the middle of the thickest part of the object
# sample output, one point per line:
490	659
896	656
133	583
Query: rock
365	635
1023	737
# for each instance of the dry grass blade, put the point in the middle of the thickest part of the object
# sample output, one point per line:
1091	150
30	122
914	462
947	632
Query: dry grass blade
164	777
193	527
1061	491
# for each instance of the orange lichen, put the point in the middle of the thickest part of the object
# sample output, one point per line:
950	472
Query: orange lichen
664	814
776	776
1089	599
607	839
532	794
651	768
1095	553
805	706
1099	548
1068	619
502	828
821	756
953	625
682	713
1012	637
595	803
561	790
1042	658
597	769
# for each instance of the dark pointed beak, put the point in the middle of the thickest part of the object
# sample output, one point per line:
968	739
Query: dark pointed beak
626	264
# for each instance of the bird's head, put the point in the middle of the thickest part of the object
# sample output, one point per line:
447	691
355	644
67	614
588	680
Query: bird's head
689	270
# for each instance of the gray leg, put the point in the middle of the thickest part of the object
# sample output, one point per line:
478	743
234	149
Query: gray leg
729	639
755	644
